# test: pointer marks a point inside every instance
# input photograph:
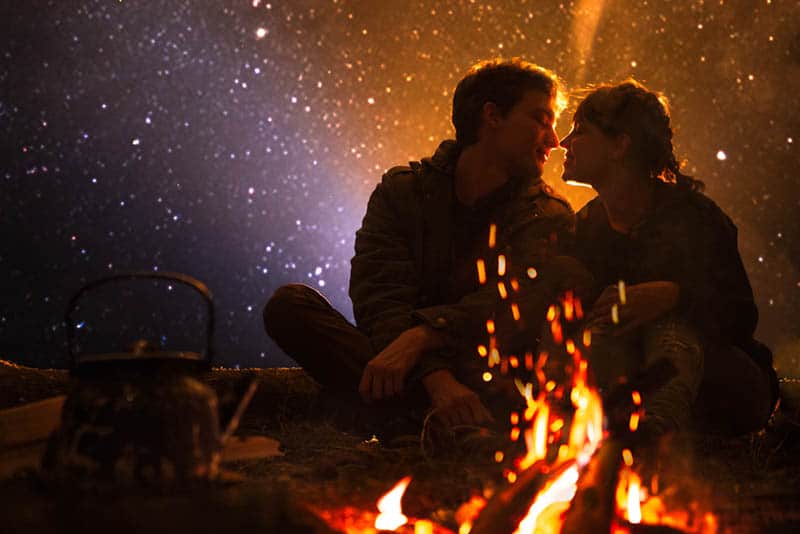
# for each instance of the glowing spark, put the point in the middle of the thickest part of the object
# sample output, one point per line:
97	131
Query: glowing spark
492	235
481	272
627	457
498	456
515	311
490	326
532	273
482	351
501	265
487	376
636	397
261	33
634	422
623	297
722	156
615	314
501	288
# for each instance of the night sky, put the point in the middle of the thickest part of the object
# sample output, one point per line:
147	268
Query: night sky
238	141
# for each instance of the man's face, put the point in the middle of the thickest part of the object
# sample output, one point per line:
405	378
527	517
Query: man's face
525	136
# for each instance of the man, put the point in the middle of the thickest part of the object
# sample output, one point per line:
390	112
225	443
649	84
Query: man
419	304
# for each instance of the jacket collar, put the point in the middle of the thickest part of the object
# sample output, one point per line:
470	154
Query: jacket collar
444	162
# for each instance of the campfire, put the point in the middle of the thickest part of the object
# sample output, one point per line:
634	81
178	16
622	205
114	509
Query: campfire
575	475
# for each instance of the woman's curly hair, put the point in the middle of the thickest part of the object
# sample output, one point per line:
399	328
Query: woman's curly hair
630	108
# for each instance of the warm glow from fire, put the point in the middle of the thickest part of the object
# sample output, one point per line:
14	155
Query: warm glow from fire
391	513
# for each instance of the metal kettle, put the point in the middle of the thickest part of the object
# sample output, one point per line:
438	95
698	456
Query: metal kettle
141	415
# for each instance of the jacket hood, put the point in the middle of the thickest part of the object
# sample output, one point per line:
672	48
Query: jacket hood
446	156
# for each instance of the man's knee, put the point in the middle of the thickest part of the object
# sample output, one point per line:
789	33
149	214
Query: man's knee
282	308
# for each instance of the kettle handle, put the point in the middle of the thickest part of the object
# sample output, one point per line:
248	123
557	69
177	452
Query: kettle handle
185	279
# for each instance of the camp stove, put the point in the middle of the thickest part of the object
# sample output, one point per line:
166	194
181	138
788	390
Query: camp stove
140	415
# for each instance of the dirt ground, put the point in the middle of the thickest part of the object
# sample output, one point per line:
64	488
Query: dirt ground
750	483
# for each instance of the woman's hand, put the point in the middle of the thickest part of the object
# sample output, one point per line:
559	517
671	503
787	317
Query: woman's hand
643	303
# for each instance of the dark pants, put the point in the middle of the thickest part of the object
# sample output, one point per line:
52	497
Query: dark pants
334	352
309	330
715	389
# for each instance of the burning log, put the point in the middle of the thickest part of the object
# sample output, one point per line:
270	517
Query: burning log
592	509
632	528
505	510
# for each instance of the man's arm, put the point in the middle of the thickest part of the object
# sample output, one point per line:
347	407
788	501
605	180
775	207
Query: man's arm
384	287
384	284
531	239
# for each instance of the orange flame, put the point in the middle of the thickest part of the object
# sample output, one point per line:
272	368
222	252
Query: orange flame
559	492
391	514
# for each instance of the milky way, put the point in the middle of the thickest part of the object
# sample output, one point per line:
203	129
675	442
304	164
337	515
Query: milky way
238	142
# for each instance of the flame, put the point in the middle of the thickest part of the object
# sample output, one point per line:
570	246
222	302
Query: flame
559	493
391	514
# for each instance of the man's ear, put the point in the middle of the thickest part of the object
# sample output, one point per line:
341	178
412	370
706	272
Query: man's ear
490	114
622	144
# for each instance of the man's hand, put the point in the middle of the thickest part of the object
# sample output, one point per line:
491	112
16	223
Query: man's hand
455	403
643	303
385	373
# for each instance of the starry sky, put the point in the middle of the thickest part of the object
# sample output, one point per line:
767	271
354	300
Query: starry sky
238	141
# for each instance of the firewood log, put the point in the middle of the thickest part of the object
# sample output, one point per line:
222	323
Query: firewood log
592	508
506	508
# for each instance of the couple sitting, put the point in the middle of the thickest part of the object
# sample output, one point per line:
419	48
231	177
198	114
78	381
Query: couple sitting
421	308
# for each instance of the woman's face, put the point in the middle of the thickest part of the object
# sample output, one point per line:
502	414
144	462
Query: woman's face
589	153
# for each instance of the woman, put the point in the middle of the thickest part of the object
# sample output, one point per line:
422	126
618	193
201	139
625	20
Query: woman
686	297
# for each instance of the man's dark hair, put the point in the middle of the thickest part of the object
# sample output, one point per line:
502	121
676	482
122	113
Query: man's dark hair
503	82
